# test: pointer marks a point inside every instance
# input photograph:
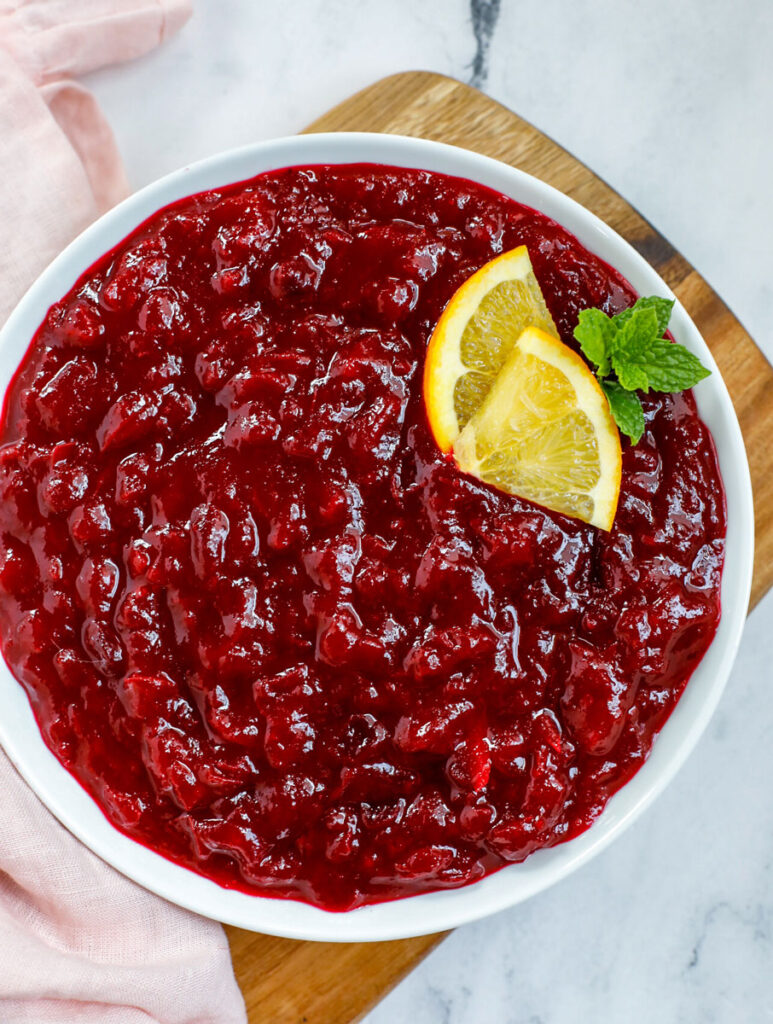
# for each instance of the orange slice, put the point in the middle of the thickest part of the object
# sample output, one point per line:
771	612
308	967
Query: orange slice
474	336
544	432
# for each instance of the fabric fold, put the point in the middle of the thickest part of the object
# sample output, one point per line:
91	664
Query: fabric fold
53	39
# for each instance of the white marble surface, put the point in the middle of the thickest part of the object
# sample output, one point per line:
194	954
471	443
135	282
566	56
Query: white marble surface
672	103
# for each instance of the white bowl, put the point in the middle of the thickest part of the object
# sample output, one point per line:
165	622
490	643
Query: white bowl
436	911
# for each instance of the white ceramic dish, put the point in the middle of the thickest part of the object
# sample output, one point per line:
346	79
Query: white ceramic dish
441	910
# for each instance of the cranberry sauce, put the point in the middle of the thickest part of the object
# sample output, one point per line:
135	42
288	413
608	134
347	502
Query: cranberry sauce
268	627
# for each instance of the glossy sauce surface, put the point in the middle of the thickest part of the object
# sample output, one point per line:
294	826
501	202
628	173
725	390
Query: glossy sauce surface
263	621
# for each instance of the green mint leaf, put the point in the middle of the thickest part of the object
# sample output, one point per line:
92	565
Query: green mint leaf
662	308
642	360
674	367
626	410
632	347
595	332
631	376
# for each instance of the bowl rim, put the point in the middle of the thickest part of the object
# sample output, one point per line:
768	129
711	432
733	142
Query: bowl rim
444	909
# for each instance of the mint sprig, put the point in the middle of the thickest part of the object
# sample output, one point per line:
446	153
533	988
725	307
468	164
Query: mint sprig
630	354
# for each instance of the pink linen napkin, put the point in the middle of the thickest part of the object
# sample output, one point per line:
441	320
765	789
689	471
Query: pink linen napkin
78	941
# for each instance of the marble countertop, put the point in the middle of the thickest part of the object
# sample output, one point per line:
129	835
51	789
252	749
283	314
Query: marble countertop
672	104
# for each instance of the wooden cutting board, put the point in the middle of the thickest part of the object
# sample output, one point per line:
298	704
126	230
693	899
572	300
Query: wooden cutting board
287	982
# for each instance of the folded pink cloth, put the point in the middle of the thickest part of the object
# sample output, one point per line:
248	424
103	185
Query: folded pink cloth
78	941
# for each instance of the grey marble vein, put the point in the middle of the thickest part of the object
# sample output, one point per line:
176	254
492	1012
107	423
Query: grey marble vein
484	15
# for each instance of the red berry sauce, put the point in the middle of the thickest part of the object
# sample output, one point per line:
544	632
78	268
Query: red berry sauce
275	634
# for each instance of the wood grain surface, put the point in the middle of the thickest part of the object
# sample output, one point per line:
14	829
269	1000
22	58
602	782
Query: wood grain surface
287	982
